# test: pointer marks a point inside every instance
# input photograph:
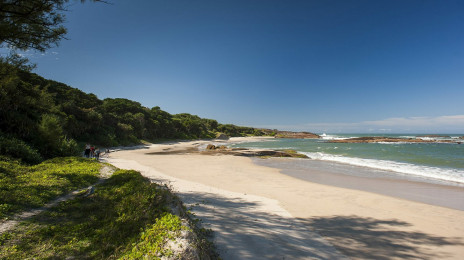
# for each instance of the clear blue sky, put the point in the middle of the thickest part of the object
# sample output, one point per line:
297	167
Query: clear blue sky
322	66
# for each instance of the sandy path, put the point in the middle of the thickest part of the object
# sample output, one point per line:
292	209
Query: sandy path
359	224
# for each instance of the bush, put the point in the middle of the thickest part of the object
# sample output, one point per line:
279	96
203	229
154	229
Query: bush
52	140
258	132
15	148
68	147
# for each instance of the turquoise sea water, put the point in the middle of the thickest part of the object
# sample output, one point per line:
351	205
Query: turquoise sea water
434	161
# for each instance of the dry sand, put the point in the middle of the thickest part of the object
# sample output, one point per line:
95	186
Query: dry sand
258	213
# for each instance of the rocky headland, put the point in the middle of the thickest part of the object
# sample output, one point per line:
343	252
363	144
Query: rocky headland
290	134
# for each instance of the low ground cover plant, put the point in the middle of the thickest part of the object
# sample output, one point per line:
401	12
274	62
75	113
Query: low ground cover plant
127	217
23	187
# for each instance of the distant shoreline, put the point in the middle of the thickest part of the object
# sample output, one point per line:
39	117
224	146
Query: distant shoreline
378	139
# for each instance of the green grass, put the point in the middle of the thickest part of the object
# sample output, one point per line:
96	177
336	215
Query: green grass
23	187
127	217
154	237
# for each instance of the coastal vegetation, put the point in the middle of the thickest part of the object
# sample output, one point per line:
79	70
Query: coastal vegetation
127	216
42	119
24	187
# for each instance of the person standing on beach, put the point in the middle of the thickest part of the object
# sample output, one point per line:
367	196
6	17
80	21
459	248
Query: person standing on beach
87	151
92	151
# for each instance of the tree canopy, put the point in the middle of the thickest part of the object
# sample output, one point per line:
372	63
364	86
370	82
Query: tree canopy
51	118
31	24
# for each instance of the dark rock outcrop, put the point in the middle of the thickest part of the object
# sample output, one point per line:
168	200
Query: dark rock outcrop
296	135
222	136
213	147
213	150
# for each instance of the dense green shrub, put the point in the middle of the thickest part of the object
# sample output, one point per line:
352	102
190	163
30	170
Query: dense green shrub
15	148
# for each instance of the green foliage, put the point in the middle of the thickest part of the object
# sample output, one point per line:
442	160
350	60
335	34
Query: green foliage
13	147
32	24
53	117
52	140
105	225
236	131
154	237
24	187
258	132
21	104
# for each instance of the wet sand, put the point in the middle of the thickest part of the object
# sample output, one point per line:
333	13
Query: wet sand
327	173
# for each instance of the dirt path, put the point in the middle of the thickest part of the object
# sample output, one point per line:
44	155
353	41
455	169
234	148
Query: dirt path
105	172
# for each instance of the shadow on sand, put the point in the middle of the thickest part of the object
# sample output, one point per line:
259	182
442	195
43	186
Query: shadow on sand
369	238
245	230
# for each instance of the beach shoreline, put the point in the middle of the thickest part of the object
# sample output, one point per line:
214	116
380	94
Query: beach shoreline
358	224
418	190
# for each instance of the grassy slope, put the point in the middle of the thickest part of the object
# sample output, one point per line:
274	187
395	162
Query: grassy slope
23	187
127	217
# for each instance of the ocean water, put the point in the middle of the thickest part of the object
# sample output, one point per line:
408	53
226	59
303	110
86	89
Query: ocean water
437	162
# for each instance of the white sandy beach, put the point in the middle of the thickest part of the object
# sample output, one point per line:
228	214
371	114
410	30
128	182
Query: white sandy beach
258	213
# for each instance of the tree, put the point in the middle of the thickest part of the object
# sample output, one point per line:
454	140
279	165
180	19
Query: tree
21	103
32	24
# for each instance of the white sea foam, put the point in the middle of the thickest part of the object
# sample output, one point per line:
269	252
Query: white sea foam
428	138
333	137
438	138
395	143
453	175
408	136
